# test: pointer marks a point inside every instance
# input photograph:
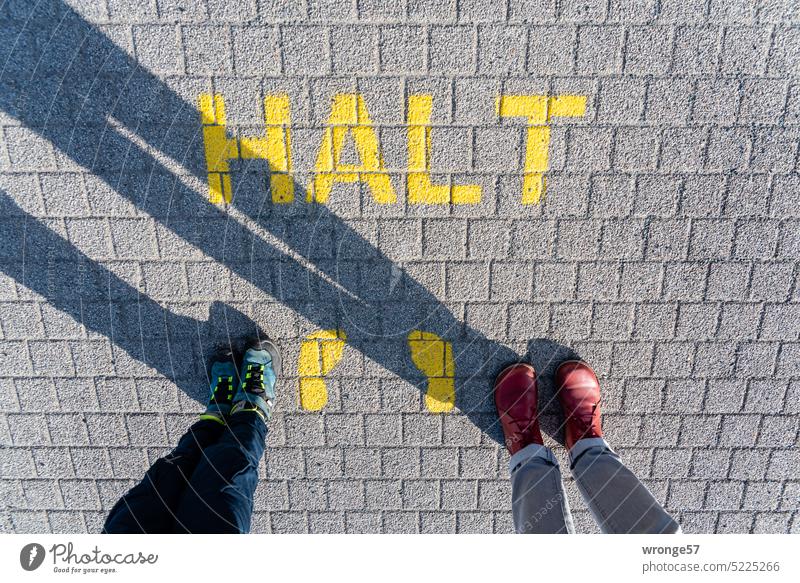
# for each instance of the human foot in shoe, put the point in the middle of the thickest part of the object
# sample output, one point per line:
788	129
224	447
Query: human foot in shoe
220	400
259	372
515	396
579	394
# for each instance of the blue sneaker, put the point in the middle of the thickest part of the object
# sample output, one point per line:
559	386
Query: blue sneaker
220	400
260	369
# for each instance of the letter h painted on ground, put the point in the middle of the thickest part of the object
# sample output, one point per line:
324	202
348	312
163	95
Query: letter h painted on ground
274	147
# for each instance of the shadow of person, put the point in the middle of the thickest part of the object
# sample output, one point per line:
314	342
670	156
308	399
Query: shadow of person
64	80
144	335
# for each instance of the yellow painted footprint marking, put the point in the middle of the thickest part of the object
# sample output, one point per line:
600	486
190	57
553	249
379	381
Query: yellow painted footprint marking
434	357
320	352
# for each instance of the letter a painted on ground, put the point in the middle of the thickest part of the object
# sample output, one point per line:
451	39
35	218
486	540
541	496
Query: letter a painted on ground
349	116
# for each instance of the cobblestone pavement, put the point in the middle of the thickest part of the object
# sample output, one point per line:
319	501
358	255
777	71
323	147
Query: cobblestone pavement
663	250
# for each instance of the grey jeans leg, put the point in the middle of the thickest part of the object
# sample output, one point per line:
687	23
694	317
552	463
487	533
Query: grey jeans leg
619	502
538	501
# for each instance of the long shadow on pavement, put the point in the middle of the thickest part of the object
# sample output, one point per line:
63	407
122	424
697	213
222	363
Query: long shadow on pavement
65	80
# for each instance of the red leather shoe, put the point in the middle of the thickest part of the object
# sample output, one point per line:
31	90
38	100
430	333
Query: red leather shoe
515	396
579	394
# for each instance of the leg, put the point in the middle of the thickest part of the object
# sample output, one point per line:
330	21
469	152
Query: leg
538	500
619	502
149	507
219	497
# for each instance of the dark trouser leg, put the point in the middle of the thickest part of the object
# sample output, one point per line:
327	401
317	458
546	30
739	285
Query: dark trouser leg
219	497
150	506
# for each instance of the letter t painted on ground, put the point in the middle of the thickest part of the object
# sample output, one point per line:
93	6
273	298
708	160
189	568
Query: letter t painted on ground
539	110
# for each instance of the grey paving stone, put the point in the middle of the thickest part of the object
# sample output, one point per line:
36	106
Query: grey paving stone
684	395
354	49
622	240
739	430
636	149
749	464
589	149
762	100
383	494
551	49
772	523
728	149
207	50
725	495
782	465
668	100
599	50
532	10
305	50
789	497
92	462
756	240
579	239
501	49
31	522
710	463
323	463
467	281
655	321
363	522
308	494
716	101
288	522
640	281
346	495
739	321
420	494
494	494
788	360
621	101
529	239
437	522
473	522
785	45
28	429
682	149
326	522
158	48
696	49
735	522
648	50
401	522
779	322
401	462
402	48
510	281
688	495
